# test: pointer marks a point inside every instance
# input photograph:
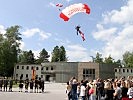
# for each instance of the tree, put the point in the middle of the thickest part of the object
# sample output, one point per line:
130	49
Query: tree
43	57
128	59
108	60
62	54
59	54
98	58
56	54
26	57
9	49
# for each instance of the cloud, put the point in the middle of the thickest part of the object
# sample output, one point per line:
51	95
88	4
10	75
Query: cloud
77	53
22	45
122	16
44	35
68	0
104	34
119	38
31	32
52	4
2	29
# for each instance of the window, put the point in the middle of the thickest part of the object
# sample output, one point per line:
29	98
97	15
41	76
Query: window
115	70
21	77
16	75
37	68
22	67
131	70
52	68
127	70
46	68
17	67
26	75
27	67
89	73
42	68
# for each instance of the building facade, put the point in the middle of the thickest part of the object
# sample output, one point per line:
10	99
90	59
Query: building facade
25	71
123	72
64	71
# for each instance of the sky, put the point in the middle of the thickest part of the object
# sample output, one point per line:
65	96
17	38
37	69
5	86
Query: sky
108	29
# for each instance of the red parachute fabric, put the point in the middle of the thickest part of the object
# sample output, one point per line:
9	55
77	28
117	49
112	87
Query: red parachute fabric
59	5
71	10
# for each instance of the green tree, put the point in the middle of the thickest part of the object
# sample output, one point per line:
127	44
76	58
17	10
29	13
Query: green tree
109	60
62	54
98	58
26	57
59	54
56	54
128	59
9	49
43	57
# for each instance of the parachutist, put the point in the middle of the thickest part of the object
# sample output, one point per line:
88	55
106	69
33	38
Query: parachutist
77	28
80	32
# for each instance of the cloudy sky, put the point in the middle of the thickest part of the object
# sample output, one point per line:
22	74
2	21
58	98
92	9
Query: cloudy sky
108	29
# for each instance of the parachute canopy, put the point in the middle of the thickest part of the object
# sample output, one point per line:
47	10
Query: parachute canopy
71	10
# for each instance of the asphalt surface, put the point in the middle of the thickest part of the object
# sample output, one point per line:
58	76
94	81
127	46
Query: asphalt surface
53	91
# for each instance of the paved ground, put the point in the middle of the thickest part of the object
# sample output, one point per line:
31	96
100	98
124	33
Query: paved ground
53	91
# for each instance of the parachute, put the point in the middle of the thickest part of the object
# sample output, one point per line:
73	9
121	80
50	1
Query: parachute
71	10
59	5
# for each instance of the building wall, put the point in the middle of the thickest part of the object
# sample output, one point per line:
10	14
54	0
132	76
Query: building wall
107	70
21	69
87	65
63	71
123	72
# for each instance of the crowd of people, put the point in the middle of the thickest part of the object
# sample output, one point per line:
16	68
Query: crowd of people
110	89
36	85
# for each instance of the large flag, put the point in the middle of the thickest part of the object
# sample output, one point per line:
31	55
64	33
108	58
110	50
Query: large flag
33	73
82	35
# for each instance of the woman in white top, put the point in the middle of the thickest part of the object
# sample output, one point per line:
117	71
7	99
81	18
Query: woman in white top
82	91
130	91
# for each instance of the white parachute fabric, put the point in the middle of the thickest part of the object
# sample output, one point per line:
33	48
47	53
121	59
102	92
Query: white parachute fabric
71	10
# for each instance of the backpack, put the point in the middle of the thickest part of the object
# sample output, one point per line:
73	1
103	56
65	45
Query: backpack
91	91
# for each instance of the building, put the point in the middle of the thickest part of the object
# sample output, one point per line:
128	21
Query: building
123	72
25	71
63	71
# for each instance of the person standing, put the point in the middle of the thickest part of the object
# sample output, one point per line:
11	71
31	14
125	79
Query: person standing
118	92
5	83
74	89
31	86
36	85
40	85
82	90
10	84
26	84
20	85
1	84
42	82
68	91
130	92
